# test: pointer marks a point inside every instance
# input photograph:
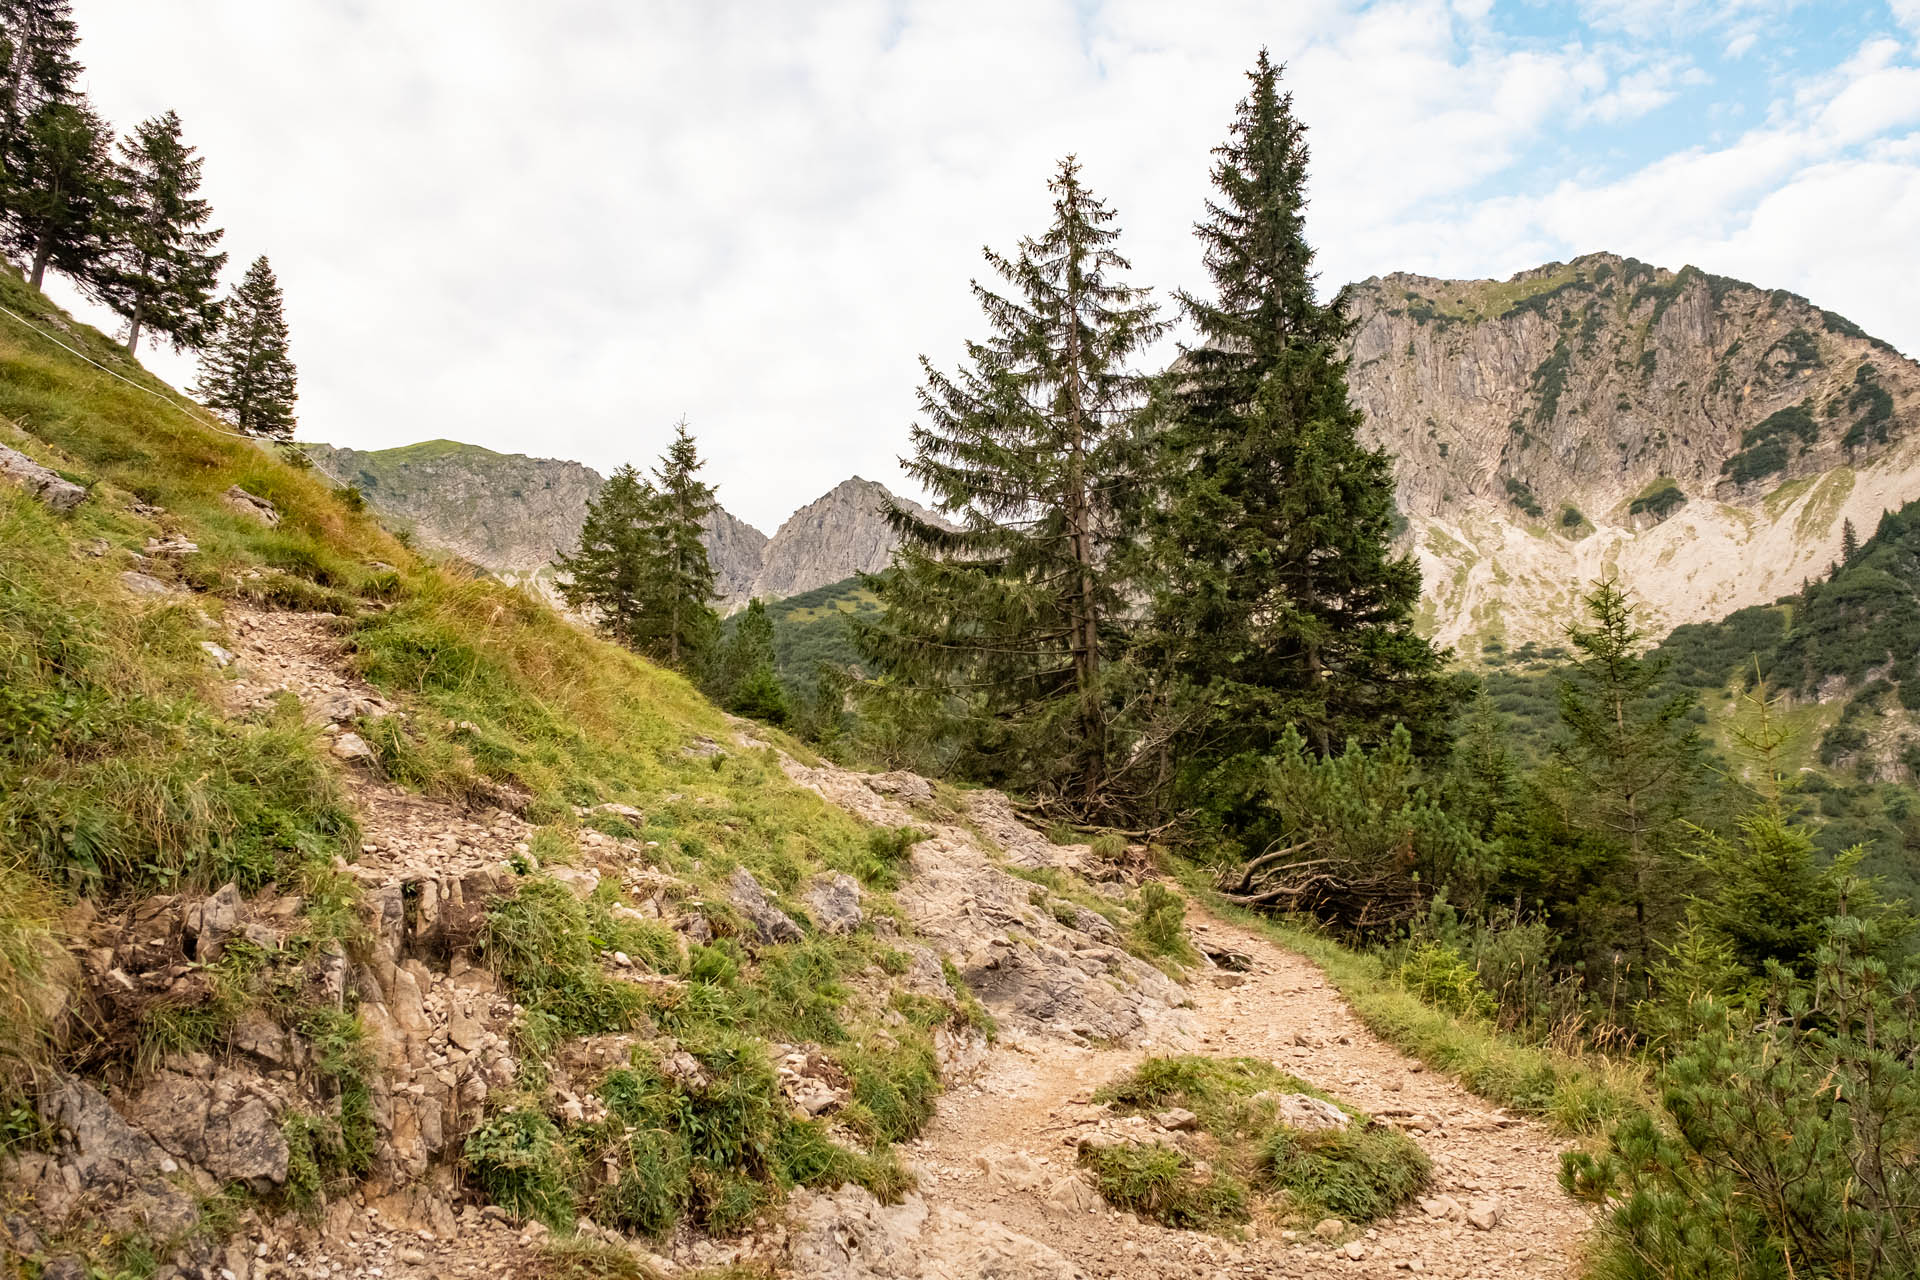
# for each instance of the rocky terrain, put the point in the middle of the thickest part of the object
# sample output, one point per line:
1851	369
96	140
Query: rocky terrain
513	515
1703	438
998	1190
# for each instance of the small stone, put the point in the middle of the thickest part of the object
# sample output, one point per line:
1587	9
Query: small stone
1176	1118
221	657
352	748
1484	1215
1355	1250
1329	1228
142	584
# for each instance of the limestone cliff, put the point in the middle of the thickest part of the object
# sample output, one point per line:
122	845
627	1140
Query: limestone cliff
1703	438
835	536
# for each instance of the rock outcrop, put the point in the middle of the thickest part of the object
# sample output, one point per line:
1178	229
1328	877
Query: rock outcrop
835	536
1702	438
55	491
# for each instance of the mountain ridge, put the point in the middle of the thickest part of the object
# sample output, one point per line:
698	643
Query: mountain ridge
442	488
1704	438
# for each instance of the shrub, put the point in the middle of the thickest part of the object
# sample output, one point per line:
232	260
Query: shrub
1443	979
520	1161
1790	1137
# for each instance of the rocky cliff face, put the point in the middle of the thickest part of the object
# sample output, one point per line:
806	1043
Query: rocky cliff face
514	515
1702	438
833	537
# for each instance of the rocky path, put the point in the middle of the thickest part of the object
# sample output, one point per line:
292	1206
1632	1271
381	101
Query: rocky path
999	1193
1002	1149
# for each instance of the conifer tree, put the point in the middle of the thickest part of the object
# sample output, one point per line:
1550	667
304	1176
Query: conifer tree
688	622
245	374
1280	600
1631	752
615	571
1849	542
1034	449
59	190
749	680
161	267
38	39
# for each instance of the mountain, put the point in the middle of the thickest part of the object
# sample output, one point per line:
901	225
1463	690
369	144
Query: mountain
1701	437
513	515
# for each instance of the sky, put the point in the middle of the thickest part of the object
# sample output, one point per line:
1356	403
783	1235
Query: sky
558	228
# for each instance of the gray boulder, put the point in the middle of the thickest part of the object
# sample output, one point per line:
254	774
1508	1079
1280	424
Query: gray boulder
770	923
49	488
834	900
253	506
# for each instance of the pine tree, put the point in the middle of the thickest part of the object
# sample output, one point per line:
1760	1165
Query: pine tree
689	622
38	39
1849	542
161	269
59	191
614	573
1280	602
246	375
1631	753
1035	449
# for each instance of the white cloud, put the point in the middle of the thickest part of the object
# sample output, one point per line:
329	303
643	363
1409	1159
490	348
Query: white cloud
555	229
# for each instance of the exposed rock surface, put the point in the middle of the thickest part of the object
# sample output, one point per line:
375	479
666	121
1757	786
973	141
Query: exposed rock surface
835	536
56	492
848	1235
1588	385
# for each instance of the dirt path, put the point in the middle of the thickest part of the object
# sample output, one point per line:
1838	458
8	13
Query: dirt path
1033	1091
999	1156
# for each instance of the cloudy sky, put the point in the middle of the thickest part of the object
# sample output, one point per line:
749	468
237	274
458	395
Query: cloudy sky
555	228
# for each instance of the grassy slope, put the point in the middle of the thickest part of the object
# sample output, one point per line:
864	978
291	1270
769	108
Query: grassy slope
118	777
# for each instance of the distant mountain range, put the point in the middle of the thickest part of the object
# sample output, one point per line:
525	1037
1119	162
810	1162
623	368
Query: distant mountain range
1703	438
512	515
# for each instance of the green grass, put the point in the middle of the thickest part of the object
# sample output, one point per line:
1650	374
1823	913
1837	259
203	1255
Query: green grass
1359	1173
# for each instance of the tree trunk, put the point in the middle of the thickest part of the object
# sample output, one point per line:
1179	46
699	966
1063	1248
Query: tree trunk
1086	622
133	331
42	254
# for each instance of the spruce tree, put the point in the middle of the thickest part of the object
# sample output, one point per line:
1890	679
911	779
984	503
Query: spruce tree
38	39
245	374
1280	600
59	190
687	621
161	268
1631	753
749	680
1849	542
1034	449
615	571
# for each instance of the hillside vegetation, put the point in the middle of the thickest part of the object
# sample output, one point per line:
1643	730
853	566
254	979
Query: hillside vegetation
123	777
